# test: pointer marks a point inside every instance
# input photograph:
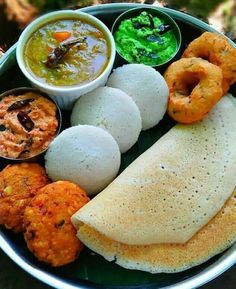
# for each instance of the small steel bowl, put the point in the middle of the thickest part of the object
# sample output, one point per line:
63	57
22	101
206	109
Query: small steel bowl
154	11
19	91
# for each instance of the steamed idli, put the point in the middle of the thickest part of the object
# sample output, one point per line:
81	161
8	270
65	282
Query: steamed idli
147	87
113	110
84	154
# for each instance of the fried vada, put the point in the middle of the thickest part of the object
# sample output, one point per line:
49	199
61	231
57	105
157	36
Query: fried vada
195	86
49	233
216	49
19	183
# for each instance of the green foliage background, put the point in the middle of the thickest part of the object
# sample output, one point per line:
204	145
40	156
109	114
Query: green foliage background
201	8
45	5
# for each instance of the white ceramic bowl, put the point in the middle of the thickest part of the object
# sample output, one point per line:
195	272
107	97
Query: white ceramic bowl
65	96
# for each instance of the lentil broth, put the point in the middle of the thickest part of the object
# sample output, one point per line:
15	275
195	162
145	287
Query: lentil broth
81	64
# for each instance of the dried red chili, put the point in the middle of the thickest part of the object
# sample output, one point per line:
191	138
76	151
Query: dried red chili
25	120
20	104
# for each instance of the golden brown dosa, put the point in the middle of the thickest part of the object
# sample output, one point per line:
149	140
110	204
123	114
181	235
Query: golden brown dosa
213	238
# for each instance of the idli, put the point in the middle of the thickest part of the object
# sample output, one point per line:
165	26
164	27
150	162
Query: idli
113	110
84	154
147	87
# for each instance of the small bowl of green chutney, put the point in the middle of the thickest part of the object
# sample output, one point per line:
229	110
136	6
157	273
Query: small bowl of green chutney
146	35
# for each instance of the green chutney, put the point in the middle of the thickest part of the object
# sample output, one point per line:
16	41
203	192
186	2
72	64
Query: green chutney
145	39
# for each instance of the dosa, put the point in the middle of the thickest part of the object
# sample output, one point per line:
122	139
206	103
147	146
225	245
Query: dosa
146	217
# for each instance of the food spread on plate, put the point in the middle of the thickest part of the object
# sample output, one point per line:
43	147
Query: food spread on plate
28	123
166	195
156	178
173	207
67	52
145	39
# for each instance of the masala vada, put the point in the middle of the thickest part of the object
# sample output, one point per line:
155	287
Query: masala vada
19	183
49	233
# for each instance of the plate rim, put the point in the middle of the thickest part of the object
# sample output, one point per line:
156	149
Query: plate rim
92	9
214	270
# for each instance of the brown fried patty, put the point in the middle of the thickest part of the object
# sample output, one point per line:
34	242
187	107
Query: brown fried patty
49	234
19	183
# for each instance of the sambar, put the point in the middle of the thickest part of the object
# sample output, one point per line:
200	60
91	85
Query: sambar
82	63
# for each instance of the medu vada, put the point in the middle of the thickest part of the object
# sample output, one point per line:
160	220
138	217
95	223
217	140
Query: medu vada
49	233
216	49
194	88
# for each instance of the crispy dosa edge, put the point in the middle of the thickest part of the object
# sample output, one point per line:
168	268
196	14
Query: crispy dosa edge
212	239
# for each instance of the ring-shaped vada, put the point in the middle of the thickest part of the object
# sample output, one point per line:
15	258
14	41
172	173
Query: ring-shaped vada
194	88
216	49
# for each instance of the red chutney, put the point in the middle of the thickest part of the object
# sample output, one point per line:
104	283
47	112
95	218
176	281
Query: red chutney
28	123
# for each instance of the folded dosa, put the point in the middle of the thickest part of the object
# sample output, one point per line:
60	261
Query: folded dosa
215	237
174	188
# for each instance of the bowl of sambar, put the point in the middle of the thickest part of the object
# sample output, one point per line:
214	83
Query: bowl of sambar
66	54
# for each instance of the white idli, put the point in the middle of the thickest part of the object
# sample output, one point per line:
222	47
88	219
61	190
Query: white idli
113	110
147	87
84	154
